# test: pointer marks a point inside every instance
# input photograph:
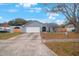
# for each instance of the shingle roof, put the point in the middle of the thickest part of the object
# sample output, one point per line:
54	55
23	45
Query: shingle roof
30	22
39	23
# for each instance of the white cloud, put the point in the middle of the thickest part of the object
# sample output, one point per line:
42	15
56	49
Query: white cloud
26	5
52	15
45	21
29	7
53	18
55	14
12	10
17	5
38	9
31	10
0	17
59	22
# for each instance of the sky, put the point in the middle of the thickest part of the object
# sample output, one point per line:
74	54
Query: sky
29	11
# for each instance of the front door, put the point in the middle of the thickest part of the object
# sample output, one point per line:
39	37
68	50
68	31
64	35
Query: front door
43	29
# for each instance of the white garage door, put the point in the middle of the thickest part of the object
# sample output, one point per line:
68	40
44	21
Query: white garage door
32	29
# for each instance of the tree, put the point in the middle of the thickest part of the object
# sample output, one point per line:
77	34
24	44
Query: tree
11	23
70	11
17	22
62	26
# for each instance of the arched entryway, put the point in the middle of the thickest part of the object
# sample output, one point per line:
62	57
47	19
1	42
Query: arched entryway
43	29
17	29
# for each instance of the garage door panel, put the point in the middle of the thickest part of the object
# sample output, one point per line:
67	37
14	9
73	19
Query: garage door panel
32	29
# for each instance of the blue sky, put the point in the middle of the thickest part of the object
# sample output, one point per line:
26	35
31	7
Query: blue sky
29	11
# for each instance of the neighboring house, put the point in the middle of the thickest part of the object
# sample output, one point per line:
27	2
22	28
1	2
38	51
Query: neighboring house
70	27
60	30
4	27
34	26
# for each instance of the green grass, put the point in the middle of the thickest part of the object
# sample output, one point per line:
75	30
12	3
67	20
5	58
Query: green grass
64	48
4	36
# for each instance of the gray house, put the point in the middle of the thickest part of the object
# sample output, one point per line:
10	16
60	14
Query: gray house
34	26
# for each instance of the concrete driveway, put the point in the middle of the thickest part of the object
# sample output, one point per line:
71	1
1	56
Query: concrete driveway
28	44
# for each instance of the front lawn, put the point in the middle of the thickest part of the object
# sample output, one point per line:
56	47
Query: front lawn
8	35
64	48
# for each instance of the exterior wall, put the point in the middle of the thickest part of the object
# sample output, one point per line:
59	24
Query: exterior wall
51	29
47	29
23	29
1	28
70	27
34	24
60	29
12	28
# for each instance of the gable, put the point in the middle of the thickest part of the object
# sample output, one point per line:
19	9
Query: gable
33	24
39	24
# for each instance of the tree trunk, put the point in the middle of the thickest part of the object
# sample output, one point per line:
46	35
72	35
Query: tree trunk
77	27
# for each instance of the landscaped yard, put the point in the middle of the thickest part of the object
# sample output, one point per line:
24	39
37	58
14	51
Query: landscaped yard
64	48
7	35
61	35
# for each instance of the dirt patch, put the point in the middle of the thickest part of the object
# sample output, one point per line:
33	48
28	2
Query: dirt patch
52	35
59	35
73	35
